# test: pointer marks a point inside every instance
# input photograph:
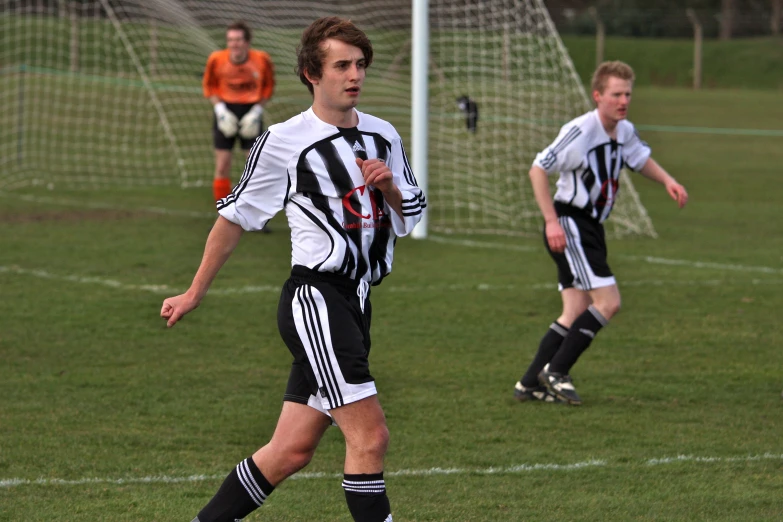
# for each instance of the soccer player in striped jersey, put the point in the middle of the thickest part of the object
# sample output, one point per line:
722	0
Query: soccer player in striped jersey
588	154
238	81
348	191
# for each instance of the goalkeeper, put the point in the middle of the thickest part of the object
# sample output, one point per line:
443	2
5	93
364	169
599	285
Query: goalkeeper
238	81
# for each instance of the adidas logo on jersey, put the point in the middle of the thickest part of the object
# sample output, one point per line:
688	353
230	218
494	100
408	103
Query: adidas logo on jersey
357	147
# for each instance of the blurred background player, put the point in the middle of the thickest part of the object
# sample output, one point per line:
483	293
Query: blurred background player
589	153
238	81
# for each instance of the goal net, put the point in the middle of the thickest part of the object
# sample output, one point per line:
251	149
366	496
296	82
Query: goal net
104	94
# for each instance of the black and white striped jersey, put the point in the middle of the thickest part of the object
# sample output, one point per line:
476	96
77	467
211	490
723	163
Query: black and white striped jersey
338	224
589	162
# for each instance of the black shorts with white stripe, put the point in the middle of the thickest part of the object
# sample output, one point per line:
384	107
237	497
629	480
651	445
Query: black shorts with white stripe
583	265
321	320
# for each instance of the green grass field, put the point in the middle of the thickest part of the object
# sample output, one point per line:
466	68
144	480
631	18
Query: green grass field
744	63
105	415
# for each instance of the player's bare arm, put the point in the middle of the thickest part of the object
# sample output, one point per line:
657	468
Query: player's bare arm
221	242
379	175
554	232
652	170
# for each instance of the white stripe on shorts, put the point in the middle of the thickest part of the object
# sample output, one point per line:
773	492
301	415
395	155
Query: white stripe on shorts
585	278
311	318
312	323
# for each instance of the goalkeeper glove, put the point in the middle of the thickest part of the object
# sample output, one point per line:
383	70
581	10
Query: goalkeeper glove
250	124
226	120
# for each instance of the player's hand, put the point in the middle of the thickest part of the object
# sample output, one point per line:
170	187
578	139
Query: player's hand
677	193
226	120
376	173
250	124
555	237
174	308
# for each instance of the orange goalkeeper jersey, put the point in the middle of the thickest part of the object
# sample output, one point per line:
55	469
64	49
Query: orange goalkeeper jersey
250	82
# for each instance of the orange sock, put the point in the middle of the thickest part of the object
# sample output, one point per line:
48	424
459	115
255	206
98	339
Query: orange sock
221	187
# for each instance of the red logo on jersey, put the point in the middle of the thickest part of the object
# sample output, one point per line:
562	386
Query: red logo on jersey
604	198
377	215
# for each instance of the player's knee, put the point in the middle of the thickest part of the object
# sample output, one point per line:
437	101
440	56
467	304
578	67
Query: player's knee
300	459
372	442
383	439
609	307
616	305
378	440
568	317
296	459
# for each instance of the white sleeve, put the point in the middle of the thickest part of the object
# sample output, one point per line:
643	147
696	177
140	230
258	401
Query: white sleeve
565	153
263	188
413	200
635	151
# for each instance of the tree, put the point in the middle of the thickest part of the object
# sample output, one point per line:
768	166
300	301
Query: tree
726	19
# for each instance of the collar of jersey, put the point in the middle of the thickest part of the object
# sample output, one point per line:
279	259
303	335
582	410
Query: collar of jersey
311	113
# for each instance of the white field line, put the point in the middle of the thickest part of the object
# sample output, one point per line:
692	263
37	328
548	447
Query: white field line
431	472
109	206
646	259
434	238
275	289
43	274
9	483
482	244
705	264
692	458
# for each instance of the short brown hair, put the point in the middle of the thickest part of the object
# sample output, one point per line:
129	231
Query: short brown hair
241	26
310	55
606	70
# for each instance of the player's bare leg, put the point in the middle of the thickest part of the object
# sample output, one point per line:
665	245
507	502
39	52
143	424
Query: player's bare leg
606	300
575	302
221	184
366	436
296	437
366	439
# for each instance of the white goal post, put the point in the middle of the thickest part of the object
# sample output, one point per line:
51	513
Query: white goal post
106	95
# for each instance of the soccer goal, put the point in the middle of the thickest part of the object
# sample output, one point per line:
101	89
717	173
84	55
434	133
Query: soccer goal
501	86
98	94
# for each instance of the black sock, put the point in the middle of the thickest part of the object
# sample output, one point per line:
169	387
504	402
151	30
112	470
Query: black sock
547	349
243	491
579	337
366	497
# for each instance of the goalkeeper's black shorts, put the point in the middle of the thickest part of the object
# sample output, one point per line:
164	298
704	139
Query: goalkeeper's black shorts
221	142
